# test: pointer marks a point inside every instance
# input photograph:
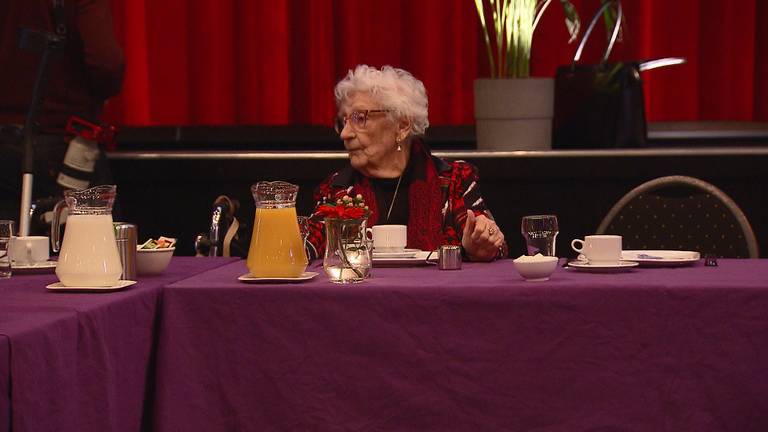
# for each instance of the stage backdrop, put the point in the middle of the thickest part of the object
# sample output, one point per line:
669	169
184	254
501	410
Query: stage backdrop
275	62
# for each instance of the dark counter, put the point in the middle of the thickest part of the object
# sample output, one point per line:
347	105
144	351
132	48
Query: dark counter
321	138
171	193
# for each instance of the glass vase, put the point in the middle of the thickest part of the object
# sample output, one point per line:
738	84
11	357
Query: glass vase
347	256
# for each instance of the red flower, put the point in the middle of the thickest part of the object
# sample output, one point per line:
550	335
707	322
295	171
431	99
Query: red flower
345	208
330	211
353	212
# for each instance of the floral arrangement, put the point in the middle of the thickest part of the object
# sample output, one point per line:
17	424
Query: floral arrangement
508	27
347	257
345	207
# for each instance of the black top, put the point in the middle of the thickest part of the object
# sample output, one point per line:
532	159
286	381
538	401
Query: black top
384	189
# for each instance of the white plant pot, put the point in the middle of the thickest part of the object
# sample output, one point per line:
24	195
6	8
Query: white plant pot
514	113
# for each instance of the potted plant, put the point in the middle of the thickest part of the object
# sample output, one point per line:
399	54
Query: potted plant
512	110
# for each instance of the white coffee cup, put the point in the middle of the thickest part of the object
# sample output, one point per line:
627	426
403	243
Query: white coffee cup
29	250
389	238
599	249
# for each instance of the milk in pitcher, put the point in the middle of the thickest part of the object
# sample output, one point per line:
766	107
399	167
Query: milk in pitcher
89	257
88	254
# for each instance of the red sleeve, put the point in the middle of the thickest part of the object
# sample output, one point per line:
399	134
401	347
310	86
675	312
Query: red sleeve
466	195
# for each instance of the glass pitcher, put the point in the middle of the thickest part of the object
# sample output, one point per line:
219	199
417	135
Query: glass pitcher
88	256
276	249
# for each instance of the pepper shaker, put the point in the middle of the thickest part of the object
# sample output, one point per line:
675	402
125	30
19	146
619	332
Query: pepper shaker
126	236
449	257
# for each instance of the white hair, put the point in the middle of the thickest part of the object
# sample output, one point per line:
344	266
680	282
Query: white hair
395	89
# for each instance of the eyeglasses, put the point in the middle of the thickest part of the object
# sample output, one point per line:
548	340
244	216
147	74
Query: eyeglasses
356	118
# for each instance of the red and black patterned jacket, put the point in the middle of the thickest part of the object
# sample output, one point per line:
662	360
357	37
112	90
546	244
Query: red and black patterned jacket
439	195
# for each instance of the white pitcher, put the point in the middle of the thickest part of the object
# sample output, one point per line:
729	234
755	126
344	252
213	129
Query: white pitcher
88	256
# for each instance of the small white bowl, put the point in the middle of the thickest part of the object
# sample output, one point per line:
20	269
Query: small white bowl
536	270
153	261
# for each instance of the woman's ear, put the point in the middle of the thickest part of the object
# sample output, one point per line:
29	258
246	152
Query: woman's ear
404	127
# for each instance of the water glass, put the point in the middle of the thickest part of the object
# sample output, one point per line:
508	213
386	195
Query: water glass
540	233
6	232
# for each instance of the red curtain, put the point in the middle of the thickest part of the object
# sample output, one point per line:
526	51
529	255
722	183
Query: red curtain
275	62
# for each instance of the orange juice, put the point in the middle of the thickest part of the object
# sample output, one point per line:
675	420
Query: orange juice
276	248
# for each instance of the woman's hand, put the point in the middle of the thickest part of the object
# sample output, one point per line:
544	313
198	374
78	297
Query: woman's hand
482	238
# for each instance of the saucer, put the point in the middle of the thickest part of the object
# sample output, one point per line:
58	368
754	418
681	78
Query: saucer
661	258
418	258
247	278
602	268
405	253
41	267
58	286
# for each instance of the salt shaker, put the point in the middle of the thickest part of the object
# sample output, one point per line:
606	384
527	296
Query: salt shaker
449	257
126	235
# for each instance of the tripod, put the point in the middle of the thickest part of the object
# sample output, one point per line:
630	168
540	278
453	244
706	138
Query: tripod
47	44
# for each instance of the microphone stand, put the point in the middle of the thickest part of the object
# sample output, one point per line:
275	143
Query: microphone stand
48	43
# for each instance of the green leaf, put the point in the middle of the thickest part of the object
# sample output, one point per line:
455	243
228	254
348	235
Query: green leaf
486	34
609	18
572	22
508	34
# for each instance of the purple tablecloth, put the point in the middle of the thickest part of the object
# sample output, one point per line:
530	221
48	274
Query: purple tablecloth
79	361
476	349
5	379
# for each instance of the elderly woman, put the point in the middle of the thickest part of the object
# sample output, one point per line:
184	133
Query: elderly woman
382	114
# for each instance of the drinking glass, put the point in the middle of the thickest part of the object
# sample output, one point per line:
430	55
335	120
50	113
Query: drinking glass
6	231
540	232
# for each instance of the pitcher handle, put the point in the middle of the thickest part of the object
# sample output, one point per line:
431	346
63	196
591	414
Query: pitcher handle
56	225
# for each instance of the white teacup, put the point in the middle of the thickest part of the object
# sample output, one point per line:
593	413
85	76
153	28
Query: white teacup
29	250
389	238
599	249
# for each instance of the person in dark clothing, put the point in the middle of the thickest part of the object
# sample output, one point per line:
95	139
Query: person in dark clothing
83	74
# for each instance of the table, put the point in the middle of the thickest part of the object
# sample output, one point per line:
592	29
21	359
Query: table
80	361
476	349
5	397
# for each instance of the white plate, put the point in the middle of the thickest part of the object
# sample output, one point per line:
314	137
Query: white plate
661	258
602	268
302	277
41	267
58	286
418	259
405	253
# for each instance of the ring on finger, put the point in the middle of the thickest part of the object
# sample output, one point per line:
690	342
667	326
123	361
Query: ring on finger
491	231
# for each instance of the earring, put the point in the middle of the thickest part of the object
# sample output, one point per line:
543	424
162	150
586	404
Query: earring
399	147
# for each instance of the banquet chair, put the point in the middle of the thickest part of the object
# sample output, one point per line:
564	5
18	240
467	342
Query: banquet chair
681	213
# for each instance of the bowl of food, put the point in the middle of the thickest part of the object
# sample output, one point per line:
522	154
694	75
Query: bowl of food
153	256
536	268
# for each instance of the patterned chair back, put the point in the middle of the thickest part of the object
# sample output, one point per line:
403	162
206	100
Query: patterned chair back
681	213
